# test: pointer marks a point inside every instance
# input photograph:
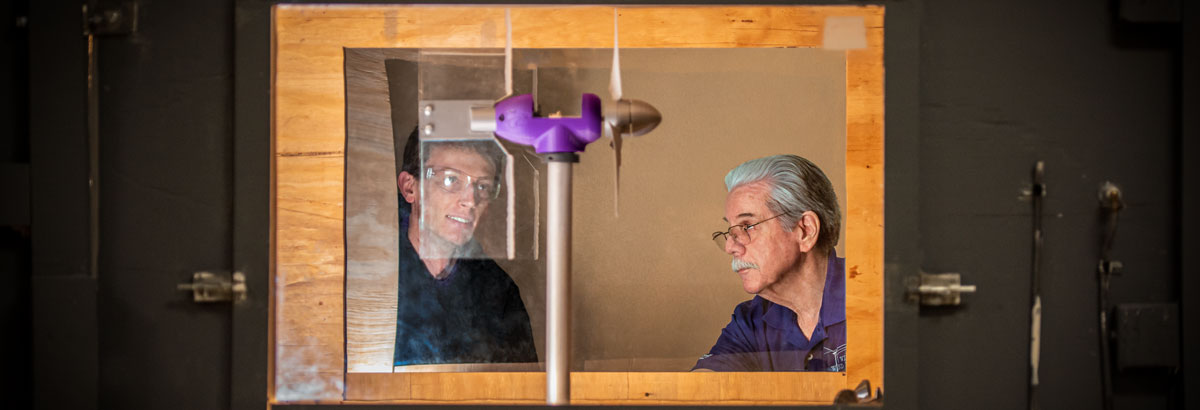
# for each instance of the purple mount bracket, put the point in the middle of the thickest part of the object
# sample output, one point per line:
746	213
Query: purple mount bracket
515	122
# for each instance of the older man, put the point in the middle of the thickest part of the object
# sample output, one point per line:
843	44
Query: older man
455	304
785	220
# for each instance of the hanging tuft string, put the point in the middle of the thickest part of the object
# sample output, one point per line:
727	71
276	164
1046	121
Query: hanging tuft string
508	73
614	82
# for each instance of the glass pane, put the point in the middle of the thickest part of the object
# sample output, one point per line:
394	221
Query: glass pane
650	293
437	216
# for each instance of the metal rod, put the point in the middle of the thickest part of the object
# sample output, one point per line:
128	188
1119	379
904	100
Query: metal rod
1035	320
1105	366
93	138
1110	203
558	281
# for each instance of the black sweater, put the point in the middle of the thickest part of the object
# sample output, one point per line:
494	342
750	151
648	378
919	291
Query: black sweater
472	315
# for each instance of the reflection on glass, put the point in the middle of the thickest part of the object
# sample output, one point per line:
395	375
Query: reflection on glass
455	304
450	186
428	215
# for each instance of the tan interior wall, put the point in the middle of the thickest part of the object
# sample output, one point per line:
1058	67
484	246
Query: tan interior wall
651	291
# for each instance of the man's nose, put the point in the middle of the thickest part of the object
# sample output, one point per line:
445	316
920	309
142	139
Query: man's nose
466	197
734	248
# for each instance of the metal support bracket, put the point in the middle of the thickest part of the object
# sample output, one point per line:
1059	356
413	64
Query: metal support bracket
111	20
937	289
209	287
453	119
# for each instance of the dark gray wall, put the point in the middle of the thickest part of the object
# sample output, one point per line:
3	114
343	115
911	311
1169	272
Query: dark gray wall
166	162
57	64
124	337
1004	84
1189	225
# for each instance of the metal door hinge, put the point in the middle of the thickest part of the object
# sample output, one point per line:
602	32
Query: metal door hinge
215	287
937	289
860	395
110	20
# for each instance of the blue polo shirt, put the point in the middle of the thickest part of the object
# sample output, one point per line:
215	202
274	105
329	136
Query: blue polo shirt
764	336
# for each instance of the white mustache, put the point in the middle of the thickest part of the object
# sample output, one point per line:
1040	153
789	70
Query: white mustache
739	264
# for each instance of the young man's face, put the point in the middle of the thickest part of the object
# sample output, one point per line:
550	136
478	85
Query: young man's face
453	201
774	250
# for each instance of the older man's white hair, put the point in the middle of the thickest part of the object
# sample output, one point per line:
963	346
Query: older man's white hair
796	185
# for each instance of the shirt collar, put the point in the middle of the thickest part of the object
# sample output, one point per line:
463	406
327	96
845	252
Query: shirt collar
409	256
833	303
833	299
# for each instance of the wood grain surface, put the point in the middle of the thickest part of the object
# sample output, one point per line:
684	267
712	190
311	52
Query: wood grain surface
597	388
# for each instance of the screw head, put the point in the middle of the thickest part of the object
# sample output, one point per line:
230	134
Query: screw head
428	129
428	110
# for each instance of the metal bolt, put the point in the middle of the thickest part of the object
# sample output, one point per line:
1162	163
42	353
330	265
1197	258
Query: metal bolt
428	110
428	129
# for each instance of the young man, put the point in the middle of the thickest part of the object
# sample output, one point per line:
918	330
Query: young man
455	304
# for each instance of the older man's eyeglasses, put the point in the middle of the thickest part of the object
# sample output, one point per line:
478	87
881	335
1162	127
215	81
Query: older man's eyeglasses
454	181
740	234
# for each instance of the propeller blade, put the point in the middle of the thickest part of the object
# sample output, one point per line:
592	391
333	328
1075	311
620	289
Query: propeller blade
614	90
616	145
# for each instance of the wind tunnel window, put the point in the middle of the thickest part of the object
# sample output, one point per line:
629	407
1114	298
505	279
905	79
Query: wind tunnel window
384	234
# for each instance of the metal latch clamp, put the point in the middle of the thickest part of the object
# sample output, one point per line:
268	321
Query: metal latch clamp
937	289
212	287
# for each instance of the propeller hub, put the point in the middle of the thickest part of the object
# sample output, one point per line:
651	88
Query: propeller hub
632	117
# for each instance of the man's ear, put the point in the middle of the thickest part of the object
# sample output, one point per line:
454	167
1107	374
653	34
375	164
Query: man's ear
807	230
408	186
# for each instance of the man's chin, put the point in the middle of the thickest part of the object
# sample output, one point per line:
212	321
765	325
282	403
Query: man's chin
439	245
455	235
457	238
751	288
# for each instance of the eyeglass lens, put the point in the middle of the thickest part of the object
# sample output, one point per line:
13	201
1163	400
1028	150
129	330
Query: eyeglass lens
737	233
453	181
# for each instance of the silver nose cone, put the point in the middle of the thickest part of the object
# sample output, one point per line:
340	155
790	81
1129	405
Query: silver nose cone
632	117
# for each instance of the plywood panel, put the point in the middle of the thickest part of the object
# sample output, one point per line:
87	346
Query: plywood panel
309	139
372	217
596	388
326	28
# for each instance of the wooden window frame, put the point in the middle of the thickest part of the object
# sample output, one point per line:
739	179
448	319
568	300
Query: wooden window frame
308	140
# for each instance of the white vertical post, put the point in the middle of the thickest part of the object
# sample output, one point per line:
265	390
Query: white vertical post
558	280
